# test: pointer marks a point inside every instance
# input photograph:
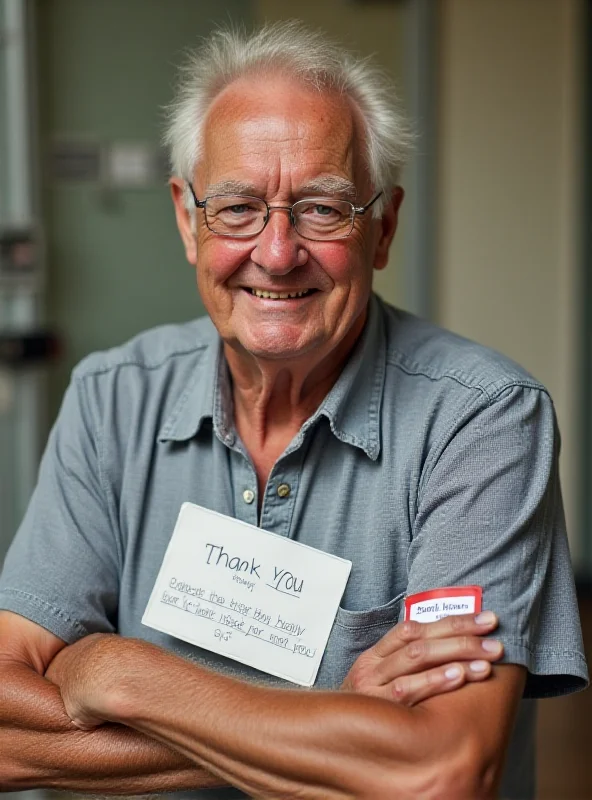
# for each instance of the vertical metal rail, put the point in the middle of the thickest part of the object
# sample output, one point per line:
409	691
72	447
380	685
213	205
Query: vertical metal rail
420	235
18	136
19	301
586	410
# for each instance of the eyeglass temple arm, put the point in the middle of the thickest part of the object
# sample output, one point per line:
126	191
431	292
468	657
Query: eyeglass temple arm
199	203
361	209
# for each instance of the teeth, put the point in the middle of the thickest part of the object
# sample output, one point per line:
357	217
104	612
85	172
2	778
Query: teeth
278	295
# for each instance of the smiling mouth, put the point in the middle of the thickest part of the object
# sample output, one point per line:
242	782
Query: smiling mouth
279	295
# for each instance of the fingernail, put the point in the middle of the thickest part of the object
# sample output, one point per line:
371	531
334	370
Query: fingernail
452	673
478	666
491	646
485	618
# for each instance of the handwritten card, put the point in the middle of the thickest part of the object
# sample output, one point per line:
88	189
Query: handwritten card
247	594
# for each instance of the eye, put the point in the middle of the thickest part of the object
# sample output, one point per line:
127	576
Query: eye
311	209
324	211
234	208
230	210
233	205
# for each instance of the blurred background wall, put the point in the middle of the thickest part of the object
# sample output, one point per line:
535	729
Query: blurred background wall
493	234
510	221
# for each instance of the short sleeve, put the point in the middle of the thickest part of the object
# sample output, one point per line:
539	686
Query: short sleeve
61	570
490	513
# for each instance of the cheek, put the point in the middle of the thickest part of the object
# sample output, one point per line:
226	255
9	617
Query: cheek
342	263
219	259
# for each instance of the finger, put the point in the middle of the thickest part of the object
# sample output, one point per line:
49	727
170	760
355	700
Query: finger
409	690
425	654
457	625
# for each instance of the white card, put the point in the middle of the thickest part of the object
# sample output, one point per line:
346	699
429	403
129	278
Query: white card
247	594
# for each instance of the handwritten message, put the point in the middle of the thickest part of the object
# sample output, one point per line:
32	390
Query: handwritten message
236	616
247	594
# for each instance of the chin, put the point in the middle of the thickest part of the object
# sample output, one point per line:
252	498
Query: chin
275	348
275	353
273	341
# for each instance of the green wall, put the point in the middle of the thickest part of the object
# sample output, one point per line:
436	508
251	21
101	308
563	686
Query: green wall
115	262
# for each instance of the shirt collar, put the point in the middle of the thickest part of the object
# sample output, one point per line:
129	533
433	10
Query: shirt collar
352	407
196	403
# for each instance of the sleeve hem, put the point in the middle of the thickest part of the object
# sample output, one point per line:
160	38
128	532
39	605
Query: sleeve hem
42	613
550	673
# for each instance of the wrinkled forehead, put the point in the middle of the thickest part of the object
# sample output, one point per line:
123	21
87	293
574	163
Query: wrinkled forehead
263	126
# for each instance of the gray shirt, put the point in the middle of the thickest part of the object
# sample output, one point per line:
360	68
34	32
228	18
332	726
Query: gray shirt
432	462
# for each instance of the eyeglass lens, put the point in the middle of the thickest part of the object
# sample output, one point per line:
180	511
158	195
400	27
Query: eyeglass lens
238	215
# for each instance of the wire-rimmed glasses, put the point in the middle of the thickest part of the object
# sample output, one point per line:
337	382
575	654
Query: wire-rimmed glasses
317	218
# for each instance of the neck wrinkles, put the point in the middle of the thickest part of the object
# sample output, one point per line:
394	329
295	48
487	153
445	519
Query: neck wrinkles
286	392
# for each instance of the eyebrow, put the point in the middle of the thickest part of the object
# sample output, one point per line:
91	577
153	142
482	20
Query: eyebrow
329	185
324	186
230	187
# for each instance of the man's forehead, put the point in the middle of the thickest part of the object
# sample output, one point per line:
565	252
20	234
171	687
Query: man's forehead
251	97
253	124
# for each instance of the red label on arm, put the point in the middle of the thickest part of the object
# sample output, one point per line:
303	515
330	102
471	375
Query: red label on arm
437	603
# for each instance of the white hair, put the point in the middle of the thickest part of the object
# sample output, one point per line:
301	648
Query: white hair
288	48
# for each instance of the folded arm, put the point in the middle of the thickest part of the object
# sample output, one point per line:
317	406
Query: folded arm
39	745
281	743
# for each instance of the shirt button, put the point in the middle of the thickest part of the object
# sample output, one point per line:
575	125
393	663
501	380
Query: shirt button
248	496
283	490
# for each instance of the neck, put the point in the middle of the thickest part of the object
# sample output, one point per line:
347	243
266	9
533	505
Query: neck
275	397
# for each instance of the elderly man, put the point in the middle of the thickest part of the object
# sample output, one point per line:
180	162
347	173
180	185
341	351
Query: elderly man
312	409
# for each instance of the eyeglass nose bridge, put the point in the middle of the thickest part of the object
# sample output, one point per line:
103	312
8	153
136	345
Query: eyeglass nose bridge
289	209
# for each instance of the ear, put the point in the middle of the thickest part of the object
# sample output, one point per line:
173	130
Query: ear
184	221
388	228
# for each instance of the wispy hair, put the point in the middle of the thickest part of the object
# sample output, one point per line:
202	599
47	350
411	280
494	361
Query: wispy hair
291	49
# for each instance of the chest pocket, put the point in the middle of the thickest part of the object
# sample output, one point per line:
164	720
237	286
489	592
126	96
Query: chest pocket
354	632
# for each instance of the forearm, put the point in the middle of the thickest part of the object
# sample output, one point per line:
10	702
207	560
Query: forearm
40	747
280	743
277	744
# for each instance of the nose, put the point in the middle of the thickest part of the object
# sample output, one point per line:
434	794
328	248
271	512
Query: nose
278	249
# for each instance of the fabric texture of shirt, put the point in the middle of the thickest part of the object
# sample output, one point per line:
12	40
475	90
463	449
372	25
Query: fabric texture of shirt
432	462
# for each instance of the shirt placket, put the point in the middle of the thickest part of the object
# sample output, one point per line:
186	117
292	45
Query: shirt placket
280	496
244	486
277	506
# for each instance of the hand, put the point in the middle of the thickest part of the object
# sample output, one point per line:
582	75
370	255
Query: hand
416	660
81	672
